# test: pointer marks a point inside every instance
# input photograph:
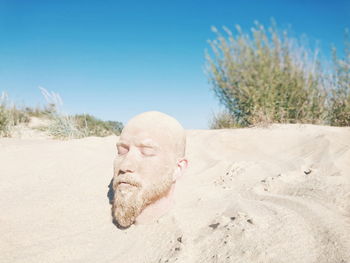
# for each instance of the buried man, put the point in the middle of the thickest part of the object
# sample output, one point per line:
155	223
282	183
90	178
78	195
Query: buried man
151	156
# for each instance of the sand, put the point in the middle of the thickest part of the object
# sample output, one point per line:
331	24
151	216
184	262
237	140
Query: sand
277	194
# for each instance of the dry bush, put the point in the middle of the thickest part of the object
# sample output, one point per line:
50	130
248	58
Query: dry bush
339	106
66	126
96	127
222	120
4	117
10	116
60	125
266	76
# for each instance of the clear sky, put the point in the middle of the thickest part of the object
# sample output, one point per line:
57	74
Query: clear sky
115	59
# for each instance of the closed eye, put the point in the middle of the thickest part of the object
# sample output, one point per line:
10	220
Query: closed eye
148	151
122	149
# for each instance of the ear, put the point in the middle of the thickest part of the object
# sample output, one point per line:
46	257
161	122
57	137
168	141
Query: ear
182	165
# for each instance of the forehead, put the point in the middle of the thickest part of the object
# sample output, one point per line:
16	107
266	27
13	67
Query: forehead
139	135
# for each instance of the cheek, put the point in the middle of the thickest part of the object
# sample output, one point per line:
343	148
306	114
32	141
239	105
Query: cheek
154	169
151	167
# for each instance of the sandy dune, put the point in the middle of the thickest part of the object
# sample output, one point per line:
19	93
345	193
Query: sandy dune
279	194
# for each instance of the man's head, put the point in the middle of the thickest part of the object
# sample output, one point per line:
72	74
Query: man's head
151	155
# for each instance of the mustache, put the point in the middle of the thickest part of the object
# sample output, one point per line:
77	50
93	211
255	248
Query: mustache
128	179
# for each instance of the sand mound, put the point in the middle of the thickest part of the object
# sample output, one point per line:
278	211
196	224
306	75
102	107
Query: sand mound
280	194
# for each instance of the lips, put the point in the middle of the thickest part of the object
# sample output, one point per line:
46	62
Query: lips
126	184
126	180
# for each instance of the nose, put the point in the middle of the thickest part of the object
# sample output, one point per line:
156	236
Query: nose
127	165
126	169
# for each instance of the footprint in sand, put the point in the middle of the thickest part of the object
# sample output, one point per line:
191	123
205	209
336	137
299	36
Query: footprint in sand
234	170
267	184
219	238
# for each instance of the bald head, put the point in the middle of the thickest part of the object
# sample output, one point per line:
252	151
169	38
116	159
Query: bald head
160	125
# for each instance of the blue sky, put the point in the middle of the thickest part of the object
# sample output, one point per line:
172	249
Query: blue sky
115	59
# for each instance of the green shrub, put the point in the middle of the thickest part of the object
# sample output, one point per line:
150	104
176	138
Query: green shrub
39	112
339	108
4	122
65	126
266	76
18	116
59	125
96	127
223	120
10	116
78	126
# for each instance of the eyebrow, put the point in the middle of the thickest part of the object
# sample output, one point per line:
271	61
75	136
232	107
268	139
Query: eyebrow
147	144
122	144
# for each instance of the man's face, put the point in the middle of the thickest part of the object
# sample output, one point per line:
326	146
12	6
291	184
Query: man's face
143	172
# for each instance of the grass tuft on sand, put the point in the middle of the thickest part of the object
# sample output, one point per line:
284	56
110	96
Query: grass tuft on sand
58	124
